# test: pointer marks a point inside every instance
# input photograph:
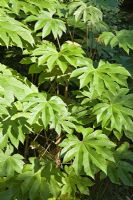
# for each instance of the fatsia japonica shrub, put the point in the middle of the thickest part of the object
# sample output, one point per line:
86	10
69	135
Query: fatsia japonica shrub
66	101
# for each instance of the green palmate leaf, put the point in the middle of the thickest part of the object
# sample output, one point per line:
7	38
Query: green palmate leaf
85	12
70	54
51	112
31	179
121	38
14	32
48	24
89	152
27	6
10	164
44	4
33	183
4	103
121	172
116	112
40	180
14	127
72	181
106	102
13	123
4	3
14	85
43	180
65	123
105	76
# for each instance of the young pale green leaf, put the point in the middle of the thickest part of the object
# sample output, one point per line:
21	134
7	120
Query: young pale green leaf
86	13
14	85
14	33
70	54
48	24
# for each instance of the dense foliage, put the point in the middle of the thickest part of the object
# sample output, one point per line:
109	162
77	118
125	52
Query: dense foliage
66	101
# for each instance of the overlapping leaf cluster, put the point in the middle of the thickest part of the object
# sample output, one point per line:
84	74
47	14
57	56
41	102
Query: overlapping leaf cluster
70	118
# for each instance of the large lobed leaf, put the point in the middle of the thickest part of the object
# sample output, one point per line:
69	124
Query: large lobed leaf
105	76
13	123
70	54
116	112
14	85
51	112
122	38
13	32
94	150
48	24
86	13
